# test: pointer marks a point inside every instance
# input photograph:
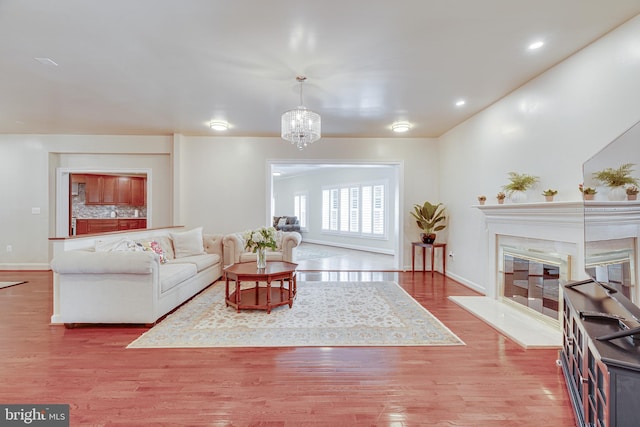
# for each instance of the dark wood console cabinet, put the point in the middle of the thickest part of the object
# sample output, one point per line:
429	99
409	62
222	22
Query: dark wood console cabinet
603	376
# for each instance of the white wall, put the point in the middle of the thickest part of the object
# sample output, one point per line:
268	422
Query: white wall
548	128
227	183
27	180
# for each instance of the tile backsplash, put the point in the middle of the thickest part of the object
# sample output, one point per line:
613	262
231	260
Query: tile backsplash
80	210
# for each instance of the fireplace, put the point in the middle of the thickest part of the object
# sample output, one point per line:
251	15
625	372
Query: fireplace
534	249
533	280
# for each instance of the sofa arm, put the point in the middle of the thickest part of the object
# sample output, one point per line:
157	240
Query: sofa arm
78	262
233	248
290	241
213	244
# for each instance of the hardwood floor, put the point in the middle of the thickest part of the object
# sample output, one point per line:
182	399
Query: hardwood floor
490	381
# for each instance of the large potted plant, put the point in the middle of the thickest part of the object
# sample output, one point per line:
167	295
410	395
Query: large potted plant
616	179
518	184
430	219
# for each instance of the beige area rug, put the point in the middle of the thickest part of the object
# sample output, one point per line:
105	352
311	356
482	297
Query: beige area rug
324	314
7	284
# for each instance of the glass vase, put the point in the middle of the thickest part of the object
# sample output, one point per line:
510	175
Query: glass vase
261	257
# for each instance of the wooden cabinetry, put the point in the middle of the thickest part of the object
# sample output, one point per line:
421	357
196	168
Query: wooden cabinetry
115	190
101	190
91	226
603	376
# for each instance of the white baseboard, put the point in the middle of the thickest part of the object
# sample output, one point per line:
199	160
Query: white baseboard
467	283
348	246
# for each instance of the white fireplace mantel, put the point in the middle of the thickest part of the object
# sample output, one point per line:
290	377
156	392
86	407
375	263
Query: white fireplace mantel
559	223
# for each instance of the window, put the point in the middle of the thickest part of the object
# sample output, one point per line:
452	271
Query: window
300	209
355	210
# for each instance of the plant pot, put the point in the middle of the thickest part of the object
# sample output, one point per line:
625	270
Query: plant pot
632	196
617	193
588	196
481	202
501	201
548	198
428	238
518	197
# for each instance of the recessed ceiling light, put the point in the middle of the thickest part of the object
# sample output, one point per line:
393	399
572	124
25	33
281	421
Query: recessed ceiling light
460	103
219	125
536	45
400	127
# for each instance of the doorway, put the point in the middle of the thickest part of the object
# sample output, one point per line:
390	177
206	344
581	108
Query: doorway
288	180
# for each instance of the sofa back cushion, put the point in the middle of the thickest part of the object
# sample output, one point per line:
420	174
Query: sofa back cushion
188	243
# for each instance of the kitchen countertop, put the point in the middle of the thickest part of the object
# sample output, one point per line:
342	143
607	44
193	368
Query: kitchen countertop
118	217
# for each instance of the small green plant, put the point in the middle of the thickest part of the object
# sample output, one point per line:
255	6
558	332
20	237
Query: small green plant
616	177
632	190
429	217
586	190
519	182
549	192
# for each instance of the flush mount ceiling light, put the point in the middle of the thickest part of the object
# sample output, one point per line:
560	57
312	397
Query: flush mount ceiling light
300	126
400	127
536	45
460	103
219	125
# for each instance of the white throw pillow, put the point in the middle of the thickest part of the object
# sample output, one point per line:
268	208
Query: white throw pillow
282	221
115	245
188	243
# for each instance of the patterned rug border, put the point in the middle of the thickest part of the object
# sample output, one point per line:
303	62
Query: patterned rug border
403	322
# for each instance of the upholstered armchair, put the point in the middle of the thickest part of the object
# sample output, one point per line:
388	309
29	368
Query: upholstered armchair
234	251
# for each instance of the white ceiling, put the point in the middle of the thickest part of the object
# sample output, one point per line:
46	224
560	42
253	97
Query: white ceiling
158	67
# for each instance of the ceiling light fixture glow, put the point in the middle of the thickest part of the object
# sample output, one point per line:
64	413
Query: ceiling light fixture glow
460	103
536	45
300	126
400	127
219	125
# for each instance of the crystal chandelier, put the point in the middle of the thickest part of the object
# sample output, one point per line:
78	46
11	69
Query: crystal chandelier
300	126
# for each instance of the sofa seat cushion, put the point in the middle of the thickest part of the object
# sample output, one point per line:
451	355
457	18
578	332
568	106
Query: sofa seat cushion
201	262
172	274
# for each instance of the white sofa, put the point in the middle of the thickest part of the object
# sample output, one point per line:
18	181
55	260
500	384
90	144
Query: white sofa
108	279
287	242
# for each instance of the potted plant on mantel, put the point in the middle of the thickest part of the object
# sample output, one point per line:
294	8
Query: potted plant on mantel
616	179
518	184
501	196
482	199
548	194
632	192
430	219
587	192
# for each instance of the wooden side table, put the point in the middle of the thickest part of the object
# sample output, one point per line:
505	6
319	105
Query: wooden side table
432	248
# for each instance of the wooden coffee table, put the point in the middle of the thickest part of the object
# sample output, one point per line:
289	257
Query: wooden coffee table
261	296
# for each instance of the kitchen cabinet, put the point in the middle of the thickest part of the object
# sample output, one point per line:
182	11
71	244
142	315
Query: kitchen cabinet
131	224
115	190
138	192
102	225
101	189
91	226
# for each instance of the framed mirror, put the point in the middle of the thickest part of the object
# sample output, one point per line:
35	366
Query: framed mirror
611	222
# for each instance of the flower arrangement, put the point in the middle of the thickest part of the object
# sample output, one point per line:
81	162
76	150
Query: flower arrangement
632	190
587	190
616	177
264	237
549	192
520	182
501	196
